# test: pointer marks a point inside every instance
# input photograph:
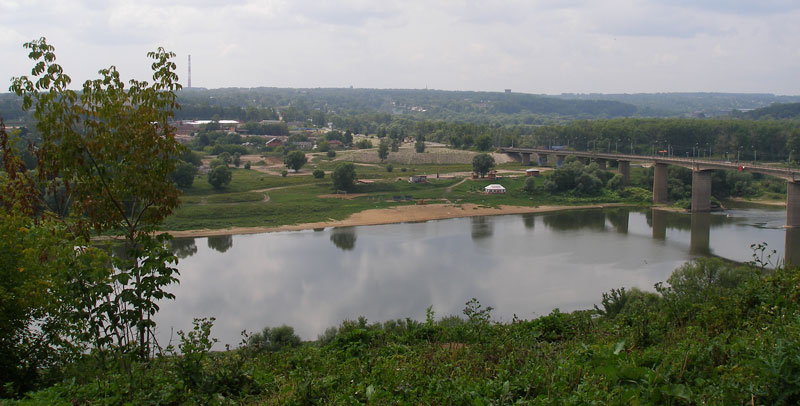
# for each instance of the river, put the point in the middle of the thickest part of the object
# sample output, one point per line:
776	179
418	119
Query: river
523	265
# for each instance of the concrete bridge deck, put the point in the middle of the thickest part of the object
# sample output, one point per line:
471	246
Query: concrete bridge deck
701	174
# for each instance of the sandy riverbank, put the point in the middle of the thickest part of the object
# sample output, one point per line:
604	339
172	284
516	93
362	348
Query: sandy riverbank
399	214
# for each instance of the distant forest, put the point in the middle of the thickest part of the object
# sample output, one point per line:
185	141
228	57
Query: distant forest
331	105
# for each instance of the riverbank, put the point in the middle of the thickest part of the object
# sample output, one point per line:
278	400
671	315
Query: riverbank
398	214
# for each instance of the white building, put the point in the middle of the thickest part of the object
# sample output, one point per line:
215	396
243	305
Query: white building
494	188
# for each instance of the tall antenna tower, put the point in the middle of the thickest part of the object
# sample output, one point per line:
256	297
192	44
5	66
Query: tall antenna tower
190	72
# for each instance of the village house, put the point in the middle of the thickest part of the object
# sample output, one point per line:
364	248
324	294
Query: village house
418	179
494	188
532	172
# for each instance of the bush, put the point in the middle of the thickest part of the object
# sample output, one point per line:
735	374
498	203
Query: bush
220	176
184	174
284	173
403	169
331	154
273	339
530	185
389	168
364	144
318	173
247	165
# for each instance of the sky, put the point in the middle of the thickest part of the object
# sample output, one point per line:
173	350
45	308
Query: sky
530	46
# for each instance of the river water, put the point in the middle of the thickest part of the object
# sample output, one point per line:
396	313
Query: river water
523	265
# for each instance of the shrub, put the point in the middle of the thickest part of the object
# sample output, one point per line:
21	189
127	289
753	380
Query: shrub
530	185
219	176
318	173
331	154
247	165
364	144
284	173
389	168
273	339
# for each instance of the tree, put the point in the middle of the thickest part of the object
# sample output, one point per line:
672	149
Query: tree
344	176
482	164
383	151
483	143
364	144
530	185
419	146
220	176
184	174
295	160
104	162
318	173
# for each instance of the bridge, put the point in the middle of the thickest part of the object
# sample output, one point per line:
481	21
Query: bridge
701	174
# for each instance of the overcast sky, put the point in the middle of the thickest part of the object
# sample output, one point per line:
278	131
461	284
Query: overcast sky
532	46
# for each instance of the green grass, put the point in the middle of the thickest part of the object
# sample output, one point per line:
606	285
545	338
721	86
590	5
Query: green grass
295	199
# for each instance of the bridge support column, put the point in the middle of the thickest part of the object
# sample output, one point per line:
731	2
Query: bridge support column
601	163
660	183
701	191
526	158
542	159
559	160
625	171
792	204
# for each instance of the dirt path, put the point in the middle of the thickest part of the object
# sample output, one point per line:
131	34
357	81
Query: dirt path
450	188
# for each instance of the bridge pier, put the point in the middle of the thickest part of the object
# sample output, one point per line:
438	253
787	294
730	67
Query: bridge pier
526	158
660	183
701	191
625	171
542	159
792	204
560	160
601	163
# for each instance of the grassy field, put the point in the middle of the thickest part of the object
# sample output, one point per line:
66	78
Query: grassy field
256	199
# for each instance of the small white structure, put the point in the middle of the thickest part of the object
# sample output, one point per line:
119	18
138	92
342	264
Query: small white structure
494	188
531	172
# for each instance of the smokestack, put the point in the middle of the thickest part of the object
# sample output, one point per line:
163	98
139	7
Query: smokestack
190	72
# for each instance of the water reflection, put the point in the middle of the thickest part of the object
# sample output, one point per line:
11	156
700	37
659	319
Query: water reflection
183	247
344	238
619	219
529	220
517	267
572	220
700	234
481	227
220	243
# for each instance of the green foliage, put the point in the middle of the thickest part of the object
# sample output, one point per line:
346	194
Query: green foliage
578	179
364	144
482	164
383	150
331	154
389	168
530	185
247	165
273	339
284	173
219	176
295	160
104	162
318	173
483	143
184	174
419	145
344	176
